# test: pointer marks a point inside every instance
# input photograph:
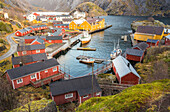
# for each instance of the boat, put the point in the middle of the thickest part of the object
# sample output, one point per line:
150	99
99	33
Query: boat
87	60
86	48
85	38
116	51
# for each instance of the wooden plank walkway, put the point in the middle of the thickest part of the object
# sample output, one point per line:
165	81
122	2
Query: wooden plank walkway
134	42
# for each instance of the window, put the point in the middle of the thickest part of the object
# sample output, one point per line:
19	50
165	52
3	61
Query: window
54	69
97	94
46	71
24	52
37	51
33	76
85	96
68	95
19	81
49	41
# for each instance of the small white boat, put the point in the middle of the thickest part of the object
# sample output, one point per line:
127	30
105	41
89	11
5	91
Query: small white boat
116	52
87	60
85	38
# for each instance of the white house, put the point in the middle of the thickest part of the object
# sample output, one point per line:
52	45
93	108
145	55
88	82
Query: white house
6	15
31	17
78	14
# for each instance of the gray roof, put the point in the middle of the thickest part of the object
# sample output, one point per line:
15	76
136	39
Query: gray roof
29	58
141	45
122	69
32	68
38	26
39	40
61	24
150	30
54	38
82	85
30	47
134	52
34	37
59	30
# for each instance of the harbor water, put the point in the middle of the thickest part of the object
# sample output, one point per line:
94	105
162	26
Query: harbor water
103	42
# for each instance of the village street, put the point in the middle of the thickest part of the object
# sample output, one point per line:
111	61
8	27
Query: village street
13	47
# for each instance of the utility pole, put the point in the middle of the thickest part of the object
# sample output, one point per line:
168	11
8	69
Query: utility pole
92	78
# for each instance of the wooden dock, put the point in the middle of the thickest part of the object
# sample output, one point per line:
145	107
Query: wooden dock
102	29
97	60
134	42
86	49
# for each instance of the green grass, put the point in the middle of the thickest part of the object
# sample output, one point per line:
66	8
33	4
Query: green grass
129	100
6	27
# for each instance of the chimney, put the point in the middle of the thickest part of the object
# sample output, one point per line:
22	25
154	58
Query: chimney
20	64
128	64
13	55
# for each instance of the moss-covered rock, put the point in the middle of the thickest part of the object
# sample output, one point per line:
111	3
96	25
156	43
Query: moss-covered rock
129	100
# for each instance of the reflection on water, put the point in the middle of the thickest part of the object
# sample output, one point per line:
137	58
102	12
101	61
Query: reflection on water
104	44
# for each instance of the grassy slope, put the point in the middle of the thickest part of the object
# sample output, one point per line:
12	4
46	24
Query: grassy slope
92	9
130	99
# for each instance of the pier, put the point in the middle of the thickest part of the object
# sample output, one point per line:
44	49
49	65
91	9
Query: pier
134	42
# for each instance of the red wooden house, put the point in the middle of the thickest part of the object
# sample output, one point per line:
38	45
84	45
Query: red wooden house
30	49
141	46
134	54
23	32
125	72
39	27
36	74
77	89
61	25
57	22
27	59
54	39
152	42
167	40
37	41
30	39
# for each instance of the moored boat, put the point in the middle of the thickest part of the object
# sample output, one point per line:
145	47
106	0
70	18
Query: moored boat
85	38
116	51
87	60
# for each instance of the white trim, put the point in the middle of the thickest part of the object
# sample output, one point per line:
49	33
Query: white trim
52	98
54	68
80	99
19	79
46	71
38	51
70	95
120	81
13	84
86	96
97	94
33	77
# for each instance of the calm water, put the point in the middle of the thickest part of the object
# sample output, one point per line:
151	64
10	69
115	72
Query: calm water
104	44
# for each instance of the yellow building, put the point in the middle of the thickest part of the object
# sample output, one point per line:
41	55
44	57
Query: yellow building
36	21
149	32
90	24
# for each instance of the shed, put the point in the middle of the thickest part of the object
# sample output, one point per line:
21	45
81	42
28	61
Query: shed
77	89
167	40
134	54
54	39
152	42
125	72
141	46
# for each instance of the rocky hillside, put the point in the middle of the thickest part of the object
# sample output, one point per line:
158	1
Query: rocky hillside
115	7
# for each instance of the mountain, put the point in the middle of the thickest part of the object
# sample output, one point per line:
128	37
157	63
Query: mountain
114	7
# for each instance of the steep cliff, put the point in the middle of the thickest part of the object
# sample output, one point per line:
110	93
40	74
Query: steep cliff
115	7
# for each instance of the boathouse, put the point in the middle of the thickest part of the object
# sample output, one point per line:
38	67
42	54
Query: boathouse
77	89
27	59
54	39
37	41
149	32
141	46
30	49
30	39
23	32
125	72
167	40
39	27
134	54
151	42
36	74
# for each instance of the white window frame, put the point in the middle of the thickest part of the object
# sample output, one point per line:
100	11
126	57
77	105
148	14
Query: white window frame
24	52
19	81
54	69
46	71
86	96
68	95
49	41
33	77
38	51
97	94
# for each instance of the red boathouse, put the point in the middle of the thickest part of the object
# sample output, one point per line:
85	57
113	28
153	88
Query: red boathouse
125	72
36	74
77	89
54	39
134	54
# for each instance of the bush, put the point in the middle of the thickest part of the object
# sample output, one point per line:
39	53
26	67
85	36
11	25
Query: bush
6	27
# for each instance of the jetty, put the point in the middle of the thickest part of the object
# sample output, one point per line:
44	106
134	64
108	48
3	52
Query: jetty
97	60
98	30
134	42
86	49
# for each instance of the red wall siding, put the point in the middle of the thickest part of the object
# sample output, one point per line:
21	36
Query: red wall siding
28	41
89	96
55	41
134	58
31	52
136	48
153	44
60	99
49	73
117	75
130	79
